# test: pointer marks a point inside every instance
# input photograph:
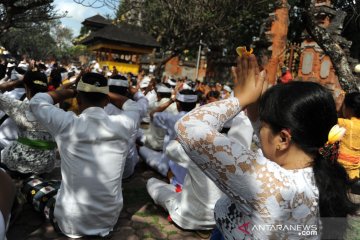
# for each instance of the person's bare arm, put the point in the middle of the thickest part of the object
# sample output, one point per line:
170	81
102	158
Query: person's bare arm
7	193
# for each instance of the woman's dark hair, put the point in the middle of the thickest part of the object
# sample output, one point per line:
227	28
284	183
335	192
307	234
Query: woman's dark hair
352	101
187	106
308	110
35	81
214	94
98	80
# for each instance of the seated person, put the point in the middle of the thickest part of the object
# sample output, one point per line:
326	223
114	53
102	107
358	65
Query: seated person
93	147
153	137
193	207
35	149
118	84
185	102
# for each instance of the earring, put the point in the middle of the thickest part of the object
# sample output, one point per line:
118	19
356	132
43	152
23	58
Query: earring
277	147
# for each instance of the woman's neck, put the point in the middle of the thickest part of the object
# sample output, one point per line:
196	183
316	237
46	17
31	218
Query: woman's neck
295	158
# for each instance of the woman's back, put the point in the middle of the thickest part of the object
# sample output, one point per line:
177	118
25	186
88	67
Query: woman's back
34	151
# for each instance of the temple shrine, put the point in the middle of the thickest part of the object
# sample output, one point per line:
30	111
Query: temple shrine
119	45
315	65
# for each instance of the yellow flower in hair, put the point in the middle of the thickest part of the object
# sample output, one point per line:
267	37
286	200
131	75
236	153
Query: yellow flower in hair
336	133
241	49
33	192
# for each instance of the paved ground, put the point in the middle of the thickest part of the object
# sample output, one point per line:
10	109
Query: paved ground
139	219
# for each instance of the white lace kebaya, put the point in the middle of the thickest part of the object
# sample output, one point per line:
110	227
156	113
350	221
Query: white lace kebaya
260	196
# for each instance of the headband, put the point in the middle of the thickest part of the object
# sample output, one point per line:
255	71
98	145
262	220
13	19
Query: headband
162	89
85	87
186	98
38	82
118	82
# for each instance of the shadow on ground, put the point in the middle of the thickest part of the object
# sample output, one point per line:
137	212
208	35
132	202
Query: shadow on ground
139	219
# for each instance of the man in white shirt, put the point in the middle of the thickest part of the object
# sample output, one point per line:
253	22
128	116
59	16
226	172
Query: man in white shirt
153	137
119	84
93	147
185	101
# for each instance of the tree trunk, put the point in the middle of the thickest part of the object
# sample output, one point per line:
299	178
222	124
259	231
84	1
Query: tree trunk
279	30
332	48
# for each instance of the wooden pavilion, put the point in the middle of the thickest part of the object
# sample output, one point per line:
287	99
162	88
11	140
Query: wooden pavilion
118	45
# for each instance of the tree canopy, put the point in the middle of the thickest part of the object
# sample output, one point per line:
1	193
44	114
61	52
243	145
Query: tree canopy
180	25
24	13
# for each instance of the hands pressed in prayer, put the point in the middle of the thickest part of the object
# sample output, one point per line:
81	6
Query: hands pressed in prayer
249	82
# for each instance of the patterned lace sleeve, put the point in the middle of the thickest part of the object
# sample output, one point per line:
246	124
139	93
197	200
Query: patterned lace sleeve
243	175
12	107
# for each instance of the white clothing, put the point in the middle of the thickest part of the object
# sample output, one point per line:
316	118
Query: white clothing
193	207
132	158
151	97
241	129
9	131
93	147
159	161
167	121
259	191
154	136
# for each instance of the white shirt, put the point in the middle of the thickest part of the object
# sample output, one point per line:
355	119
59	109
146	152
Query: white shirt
258	191
152	98
132	158
193	207
93	147
155	135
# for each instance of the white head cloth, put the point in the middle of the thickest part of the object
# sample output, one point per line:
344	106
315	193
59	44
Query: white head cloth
145	82
85	87
118	82
162	88
186	98
64	75
186	86
171	82
228	89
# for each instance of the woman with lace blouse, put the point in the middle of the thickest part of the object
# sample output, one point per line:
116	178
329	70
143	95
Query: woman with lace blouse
34	150
282	190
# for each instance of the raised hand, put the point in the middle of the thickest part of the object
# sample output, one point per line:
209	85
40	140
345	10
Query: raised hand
248	81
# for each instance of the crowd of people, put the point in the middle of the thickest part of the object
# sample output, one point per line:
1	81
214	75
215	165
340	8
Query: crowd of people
251	154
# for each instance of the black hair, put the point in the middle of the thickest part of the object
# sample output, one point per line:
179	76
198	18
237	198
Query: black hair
187	106
55	78
94	98
164	94
20	70
309	111
35	81
214	94
119	89
352	101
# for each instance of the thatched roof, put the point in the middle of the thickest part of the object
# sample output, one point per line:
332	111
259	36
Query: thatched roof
96	21
118	34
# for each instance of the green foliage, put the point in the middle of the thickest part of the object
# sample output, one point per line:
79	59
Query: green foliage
43	41
179	25
25	13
